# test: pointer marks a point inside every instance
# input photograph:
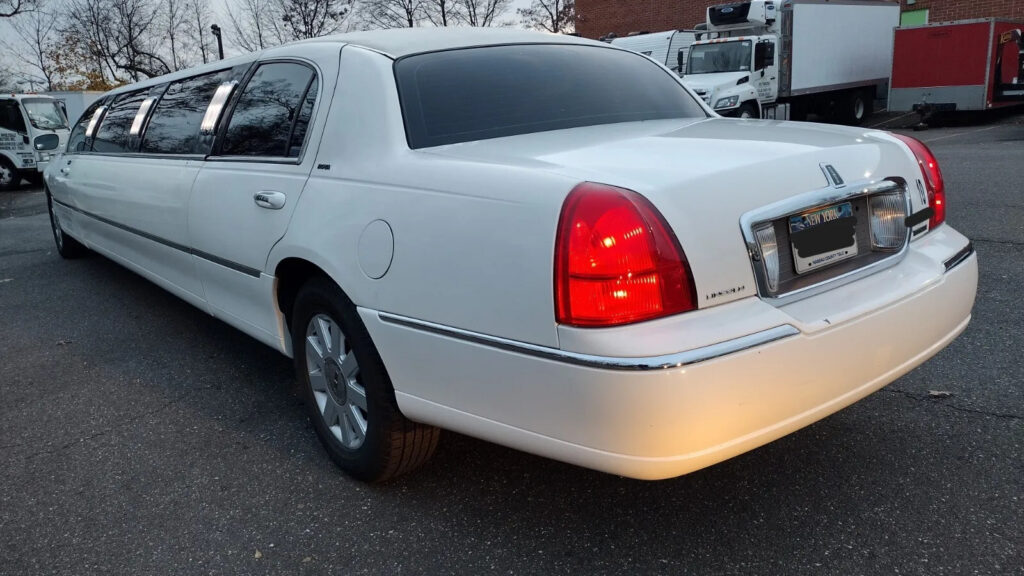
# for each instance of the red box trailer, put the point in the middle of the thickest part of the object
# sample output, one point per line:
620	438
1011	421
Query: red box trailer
965	65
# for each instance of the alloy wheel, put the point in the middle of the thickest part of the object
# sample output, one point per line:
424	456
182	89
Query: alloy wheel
334	377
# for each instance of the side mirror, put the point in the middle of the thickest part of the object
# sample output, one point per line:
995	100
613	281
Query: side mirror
46	142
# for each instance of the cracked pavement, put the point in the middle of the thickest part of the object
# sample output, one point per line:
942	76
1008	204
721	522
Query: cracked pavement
138	435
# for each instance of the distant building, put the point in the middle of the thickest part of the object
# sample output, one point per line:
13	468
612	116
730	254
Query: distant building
597	18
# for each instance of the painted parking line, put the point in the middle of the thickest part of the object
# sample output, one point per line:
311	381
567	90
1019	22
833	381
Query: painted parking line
960	134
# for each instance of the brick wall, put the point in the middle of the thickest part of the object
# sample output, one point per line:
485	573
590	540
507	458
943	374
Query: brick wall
599	17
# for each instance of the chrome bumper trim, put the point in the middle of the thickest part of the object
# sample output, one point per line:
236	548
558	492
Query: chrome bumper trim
959	257
602	362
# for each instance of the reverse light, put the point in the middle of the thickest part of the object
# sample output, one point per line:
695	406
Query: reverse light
888	217
617	261
768	248
932	176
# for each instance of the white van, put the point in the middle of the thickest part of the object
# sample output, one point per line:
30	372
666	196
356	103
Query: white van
669	48
31	128
538	240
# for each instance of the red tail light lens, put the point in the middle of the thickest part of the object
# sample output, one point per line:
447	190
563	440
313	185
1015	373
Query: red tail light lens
932	179
617	261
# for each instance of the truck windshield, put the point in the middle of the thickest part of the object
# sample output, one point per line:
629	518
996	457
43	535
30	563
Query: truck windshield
45	114
719	57
496	91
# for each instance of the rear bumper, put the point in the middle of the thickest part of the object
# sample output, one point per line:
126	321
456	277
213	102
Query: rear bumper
669	420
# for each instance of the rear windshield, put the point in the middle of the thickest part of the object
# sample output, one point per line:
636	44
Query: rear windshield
478	93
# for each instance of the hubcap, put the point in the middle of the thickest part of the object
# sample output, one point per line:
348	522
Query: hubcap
334	377
6	175
858	109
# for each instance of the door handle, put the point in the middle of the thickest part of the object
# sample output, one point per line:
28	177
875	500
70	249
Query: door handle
269	199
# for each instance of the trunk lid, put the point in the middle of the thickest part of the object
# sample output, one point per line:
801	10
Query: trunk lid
703	175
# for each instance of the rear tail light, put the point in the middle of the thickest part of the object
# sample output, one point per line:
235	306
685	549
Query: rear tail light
617	261
888	221
932	177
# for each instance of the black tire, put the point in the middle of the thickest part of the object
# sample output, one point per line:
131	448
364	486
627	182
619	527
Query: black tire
857	105
392	444
67	247
748	110
10	177
35	178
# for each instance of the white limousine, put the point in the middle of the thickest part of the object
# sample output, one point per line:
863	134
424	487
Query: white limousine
538	240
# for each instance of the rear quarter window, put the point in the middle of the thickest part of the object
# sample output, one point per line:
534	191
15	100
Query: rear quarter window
273	109
490	92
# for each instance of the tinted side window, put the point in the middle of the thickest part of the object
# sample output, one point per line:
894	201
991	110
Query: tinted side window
174	126
78	142
268	111
302	123
112	134
10	116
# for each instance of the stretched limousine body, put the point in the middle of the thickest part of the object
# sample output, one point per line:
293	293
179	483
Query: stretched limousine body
538	240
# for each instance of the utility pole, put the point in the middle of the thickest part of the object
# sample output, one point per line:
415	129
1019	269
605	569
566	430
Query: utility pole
220	43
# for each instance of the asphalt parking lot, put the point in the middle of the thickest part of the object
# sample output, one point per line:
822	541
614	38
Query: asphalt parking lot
140	436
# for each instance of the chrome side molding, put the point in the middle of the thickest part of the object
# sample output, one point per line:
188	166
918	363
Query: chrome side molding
641	363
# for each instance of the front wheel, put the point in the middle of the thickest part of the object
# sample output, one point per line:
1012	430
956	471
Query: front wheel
10	178
748	110
348	393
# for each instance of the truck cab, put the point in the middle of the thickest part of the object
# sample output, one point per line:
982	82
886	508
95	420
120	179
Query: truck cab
735	76
32	128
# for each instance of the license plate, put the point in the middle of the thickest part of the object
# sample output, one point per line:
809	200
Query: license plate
823	237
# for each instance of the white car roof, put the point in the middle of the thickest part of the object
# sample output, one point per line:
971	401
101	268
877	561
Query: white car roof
398	42
394	43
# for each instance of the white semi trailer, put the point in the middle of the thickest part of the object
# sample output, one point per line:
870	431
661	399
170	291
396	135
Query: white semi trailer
790	58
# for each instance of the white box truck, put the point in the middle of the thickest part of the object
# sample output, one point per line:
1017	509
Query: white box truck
787	59
75	102
668	48
32	128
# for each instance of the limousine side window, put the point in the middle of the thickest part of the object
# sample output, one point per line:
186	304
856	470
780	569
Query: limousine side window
174	126
78	142
272	112
112	135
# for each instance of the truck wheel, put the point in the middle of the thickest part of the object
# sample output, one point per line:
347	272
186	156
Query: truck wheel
748	110
347	390
857	106
10	178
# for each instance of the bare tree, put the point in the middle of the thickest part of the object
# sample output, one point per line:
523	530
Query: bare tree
35	39
393	13
124	36
484	12
199	19
259	24
174	19
10	8
557	16
444	12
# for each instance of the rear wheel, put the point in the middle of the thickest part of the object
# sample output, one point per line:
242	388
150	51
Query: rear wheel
10	178
67	247
857	106
348	394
